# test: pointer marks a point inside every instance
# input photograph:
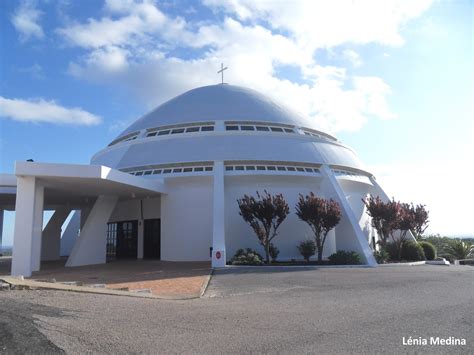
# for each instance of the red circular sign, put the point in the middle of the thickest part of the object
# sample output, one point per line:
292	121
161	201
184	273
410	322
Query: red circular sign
218	254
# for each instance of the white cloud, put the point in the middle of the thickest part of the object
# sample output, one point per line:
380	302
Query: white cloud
353	57
133	46
25	20
40	110
330	23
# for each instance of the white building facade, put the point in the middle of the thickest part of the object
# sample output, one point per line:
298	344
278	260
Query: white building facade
167	187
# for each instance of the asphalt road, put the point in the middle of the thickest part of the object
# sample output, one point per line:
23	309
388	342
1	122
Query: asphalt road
297	311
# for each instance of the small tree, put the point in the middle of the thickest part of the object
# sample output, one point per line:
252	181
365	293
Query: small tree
321	215
405	221
421	221
384	217
307	249
264	214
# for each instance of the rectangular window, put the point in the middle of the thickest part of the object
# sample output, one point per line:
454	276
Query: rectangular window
151	134
187	170
281	168
276	129
308	170
261	167
289	130
164	133
192	129
247	128
177	130
139	173
166	171
300	169
208	168
148	172
290	168
271	168
199	169
250	167
239	167
178	170
156	172
231	128
263	128
207	128
229	168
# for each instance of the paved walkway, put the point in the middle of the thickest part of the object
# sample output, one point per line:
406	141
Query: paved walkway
161	278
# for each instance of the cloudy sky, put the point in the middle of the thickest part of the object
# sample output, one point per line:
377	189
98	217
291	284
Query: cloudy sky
392	79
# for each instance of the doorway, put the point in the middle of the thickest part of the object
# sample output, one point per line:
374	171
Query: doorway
126	240
152	239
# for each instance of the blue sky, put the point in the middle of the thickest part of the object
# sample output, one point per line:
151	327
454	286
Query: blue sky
392	79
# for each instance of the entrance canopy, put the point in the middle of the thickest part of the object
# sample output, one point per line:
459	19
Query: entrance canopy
75	185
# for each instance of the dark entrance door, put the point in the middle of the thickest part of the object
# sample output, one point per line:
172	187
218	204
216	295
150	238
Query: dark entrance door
152	238
126	239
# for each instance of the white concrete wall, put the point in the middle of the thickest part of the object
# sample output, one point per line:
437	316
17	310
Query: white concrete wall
186	219
291	232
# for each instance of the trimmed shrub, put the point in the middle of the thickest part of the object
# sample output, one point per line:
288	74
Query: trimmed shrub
429	250
392	251
381	256
307	249
247	257
274	251
411	251
342	257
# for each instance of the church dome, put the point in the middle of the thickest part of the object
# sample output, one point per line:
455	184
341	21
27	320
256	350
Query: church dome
222	102
221	123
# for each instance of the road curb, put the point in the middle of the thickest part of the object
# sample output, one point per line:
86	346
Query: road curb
206	283
32	285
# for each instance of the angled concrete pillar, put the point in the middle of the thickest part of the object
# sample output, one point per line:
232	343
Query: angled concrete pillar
51	242
218	226
349	235
70	234
28	226
90	246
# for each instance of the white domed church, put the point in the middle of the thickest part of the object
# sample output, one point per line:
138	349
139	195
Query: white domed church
167	187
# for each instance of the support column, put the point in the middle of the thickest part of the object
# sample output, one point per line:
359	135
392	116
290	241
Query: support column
28	226
51	242
218	217
1	229
90	246
140	237
349	235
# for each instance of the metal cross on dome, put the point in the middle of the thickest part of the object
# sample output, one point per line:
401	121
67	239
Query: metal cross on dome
222	72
